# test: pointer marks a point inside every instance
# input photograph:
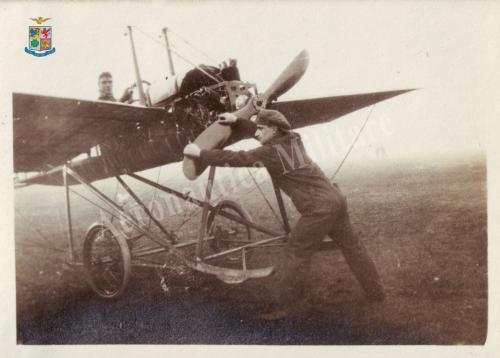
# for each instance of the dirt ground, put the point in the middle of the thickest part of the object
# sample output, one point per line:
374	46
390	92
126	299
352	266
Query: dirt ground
424	223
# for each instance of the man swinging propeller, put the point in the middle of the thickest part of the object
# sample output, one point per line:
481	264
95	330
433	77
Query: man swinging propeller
322	206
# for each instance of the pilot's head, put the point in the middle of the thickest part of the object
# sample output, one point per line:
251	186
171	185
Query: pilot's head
105	84
270	124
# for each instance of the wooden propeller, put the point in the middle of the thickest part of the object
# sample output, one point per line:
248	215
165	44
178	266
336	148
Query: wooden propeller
216	135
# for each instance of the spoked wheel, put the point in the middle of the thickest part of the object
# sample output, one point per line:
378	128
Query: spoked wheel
226	234
106	260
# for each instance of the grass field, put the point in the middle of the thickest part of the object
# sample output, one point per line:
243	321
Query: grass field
424	223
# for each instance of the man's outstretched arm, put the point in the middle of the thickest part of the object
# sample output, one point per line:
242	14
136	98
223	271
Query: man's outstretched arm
219	157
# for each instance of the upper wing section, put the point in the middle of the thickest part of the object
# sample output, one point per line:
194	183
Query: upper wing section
49	131
307	112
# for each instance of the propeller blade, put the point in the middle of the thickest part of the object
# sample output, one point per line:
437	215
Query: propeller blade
288	78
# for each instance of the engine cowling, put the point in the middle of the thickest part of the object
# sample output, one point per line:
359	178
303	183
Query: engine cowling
162	92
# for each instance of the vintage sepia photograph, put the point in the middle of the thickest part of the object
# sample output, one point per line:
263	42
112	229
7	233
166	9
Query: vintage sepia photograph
249	173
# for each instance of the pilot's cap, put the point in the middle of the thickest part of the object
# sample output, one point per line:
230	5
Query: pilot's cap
272	117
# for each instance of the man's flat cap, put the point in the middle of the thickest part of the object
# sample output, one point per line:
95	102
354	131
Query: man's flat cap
272	117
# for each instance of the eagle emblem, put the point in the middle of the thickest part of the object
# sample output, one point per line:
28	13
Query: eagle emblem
39	20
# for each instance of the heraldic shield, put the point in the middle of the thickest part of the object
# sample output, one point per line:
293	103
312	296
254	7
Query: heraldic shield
40	41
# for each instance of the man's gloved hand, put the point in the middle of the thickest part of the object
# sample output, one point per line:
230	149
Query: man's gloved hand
227	118
127	94
192	150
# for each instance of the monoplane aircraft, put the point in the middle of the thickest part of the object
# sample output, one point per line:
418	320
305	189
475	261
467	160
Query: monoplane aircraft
76	142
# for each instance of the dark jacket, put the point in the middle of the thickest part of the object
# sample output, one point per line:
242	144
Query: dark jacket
125	98
289	166
109	98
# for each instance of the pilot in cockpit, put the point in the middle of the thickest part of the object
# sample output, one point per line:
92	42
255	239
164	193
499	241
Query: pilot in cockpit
105	84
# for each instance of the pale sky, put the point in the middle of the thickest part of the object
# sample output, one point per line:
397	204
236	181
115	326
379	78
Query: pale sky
448	50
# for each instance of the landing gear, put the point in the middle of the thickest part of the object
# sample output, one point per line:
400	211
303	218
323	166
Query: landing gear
224	244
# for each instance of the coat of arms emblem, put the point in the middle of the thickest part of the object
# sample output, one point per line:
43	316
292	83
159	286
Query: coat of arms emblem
40	39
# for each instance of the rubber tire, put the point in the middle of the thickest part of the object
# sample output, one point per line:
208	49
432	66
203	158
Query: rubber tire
125	259
235	207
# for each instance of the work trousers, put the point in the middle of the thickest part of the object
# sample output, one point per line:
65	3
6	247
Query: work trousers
326	218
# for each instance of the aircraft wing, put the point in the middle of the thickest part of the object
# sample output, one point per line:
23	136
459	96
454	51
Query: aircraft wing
307	112
48	131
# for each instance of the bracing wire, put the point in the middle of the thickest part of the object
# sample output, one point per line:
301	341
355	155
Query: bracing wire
172	48
49	245
99	206
352	144
192	46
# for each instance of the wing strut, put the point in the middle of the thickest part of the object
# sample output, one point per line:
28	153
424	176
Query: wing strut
169	53
138	81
